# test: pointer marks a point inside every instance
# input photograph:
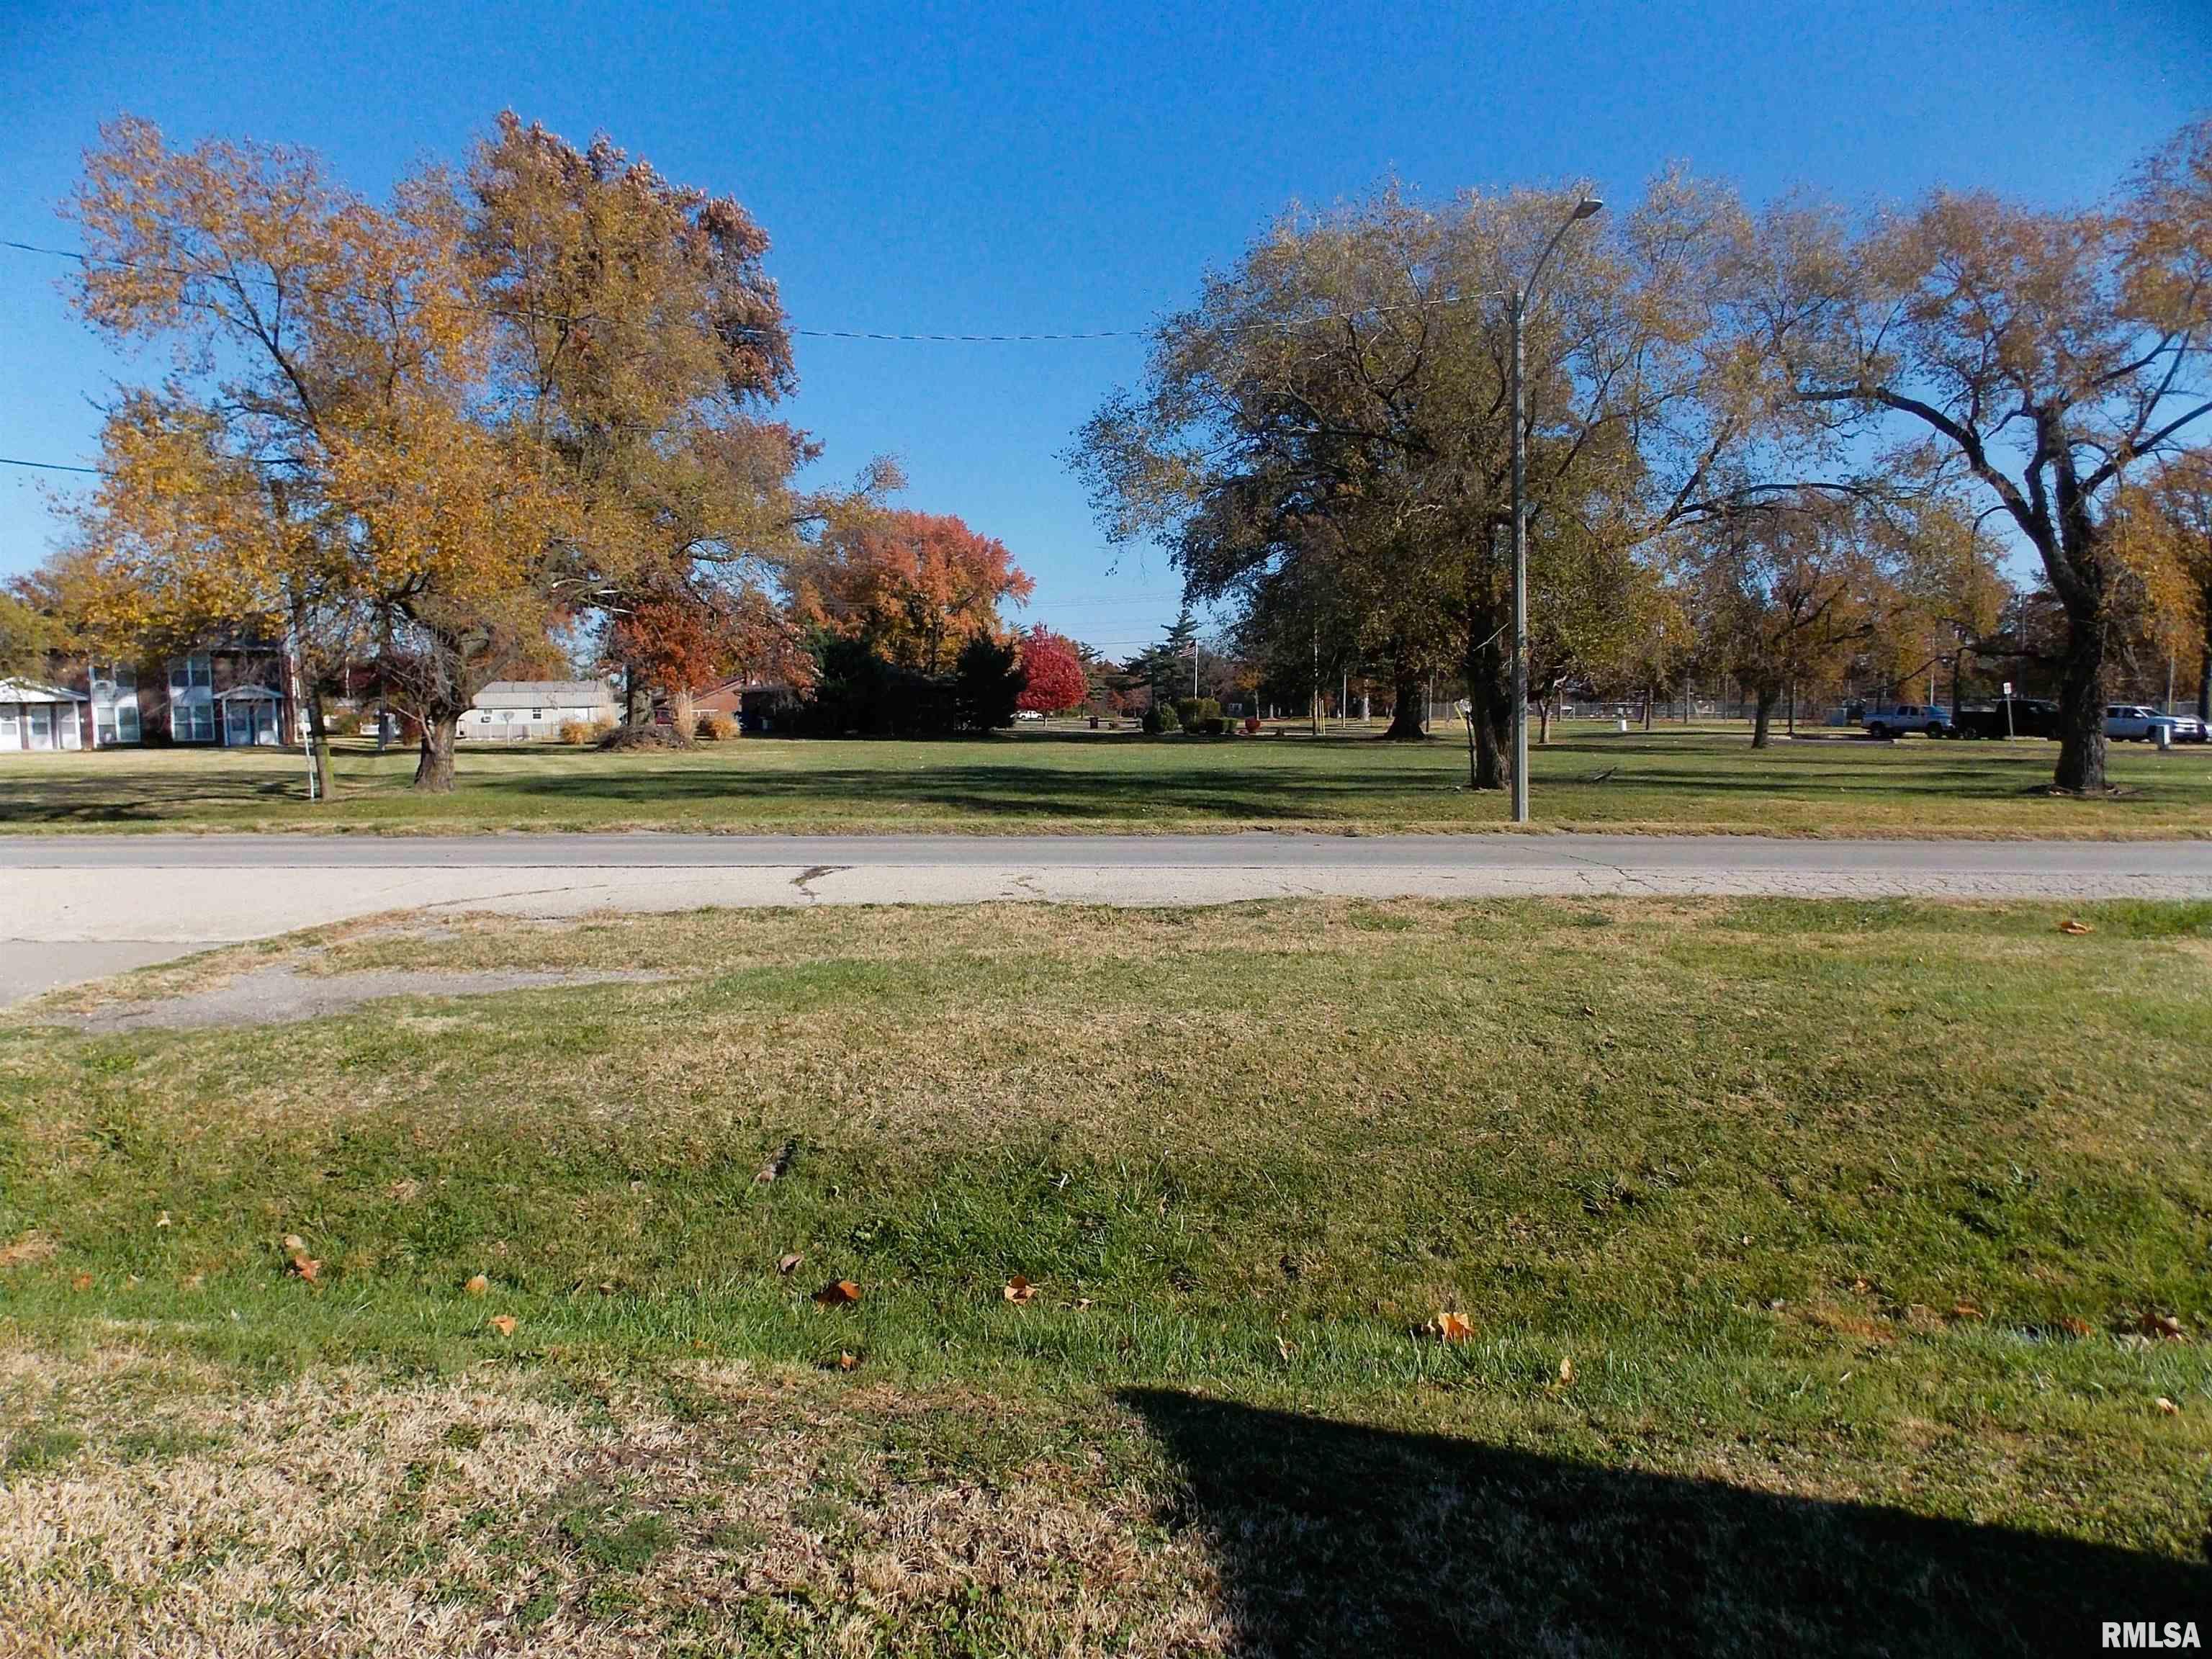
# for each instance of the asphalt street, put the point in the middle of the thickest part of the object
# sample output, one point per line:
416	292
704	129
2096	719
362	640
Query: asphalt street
74	906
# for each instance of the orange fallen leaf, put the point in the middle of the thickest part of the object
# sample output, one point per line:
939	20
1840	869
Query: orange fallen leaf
847	1362
790	1263
2075	925
836	1295
1019	1290
303	1265
2167	1407
1452	1327
2073	1326
1567	1373
477	1284
503	1323
1964	1310
80	1282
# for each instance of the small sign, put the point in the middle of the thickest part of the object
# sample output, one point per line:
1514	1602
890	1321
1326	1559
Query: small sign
2007	688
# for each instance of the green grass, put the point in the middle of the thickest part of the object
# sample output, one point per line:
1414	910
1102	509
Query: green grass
1706	780
1809	1252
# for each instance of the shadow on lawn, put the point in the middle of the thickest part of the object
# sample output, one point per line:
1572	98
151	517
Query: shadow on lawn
1335	1539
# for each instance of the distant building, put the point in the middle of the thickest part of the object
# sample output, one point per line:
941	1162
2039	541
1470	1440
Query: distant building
512	711
234	694
35	716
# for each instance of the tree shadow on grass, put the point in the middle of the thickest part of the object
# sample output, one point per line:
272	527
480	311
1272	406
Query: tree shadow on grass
1336	1539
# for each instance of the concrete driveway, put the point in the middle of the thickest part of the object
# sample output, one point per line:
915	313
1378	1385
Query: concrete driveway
74	906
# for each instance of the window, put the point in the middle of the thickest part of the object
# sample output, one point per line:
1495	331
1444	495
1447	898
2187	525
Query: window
538	713
193	674
191	721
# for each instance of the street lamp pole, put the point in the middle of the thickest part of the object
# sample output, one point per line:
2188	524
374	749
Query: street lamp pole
1584	209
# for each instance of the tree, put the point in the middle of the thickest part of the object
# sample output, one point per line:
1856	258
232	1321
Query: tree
1053	676
2043	353
323	439
27	637
916	588
2166	535
646	345
1333	412
987	681
1784	590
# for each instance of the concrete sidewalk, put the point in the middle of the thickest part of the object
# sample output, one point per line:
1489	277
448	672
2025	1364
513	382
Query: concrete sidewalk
75	907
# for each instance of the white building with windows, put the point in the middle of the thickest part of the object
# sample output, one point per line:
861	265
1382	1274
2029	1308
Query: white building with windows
35	716
518	711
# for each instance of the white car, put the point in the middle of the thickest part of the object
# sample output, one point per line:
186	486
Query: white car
2126	722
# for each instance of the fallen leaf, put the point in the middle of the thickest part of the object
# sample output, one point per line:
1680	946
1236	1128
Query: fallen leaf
2073	1326
2163	1327
293	1244
1453	1327
192	1281
162	1219
477	1284
1567	1373
303	1265
1860	1287
790	1263
503	1323
1964	1310
1287	1349
2075	925
80	1282
1019	1290
776	1165
832	1296
847	1362
2168	1406
1080	1302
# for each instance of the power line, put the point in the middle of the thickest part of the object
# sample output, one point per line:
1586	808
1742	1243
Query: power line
50	466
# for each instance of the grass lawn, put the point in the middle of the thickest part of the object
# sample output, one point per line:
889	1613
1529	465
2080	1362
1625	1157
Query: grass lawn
1813	1258
1706	779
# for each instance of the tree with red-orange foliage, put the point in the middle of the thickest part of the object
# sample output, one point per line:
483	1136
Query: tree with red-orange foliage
688	641
1053	679
915	587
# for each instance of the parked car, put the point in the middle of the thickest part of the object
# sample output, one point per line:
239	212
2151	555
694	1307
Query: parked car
2009	717
2132	722
1893	719
2187	728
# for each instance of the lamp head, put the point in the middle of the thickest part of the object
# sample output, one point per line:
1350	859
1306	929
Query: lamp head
1589	207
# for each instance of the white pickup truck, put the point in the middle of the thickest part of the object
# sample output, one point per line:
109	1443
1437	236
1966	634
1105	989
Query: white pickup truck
1893	720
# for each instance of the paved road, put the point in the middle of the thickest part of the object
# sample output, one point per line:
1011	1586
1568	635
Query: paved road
75	907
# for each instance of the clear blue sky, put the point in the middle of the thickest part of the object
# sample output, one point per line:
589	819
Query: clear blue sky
1011	167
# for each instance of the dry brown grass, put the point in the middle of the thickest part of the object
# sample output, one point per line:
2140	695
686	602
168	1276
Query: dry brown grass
342	1514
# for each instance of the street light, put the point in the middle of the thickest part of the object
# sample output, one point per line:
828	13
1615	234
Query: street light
1584	209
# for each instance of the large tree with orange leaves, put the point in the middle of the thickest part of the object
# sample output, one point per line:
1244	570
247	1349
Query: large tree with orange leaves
915	587
490	406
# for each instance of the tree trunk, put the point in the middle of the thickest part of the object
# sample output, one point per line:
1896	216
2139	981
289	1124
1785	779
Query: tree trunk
1763	718
318	744
2082	708
1405	706
434	770
1543	722
2205	673
1490	698
1650	696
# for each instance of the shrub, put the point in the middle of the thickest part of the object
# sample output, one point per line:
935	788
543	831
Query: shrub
1251	725
576	733
1161	717
621	739
714	727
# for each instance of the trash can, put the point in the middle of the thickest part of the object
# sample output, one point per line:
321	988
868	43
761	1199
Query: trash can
2164	733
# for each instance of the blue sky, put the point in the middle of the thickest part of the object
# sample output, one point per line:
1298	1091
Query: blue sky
1011	168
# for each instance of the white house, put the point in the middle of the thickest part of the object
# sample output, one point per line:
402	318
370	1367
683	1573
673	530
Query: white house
35	716
509	711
